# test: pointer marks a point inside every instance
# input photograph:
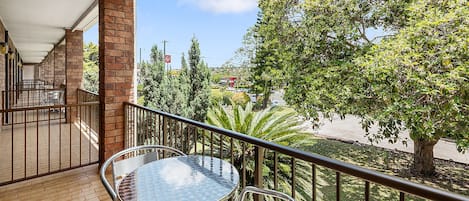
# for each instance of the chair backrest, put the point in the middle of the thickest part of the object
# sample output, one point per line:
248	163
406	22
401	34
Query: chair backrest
260	191
135	157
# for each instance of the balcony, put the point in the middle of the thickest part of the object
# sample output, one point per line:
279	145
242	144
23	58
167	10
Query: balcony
51	149
326	178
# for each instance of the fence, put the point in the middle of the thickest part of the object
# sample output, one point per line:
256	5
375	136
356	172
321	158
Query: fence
305	176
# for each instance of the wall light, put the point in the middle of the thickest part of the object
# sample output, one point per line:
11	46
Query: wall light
3	48
11	54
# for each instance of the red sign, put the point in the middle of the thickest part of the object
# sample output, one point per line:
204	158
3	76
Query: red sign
167	59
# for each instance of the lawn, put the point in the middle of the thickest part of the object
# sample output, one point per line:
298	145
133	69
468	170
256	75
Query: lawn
450	176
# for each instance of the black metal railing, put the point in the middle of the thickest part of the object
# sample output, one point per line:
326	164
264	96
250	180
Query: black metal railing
305	176
44	140
84	96
89	114
33	97
31	84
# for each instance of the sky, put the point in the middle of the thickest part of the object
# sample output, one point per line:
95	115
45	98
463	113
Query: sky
219	25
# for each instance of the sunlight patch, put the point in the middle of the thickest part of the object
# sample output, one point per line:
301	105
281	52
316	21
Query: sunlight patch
222	6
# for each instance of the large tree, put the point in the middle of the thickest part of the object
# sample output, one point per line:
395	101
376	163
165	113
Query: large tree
199	79
268	64
414	75
328	36
419	79
152	74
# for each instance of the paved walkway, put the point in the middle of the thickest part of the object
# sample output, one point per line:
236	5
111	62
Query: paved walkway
350	129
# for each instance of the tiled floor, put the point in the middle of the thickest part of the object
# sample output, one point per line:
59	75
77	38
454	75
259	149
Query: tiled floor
78	184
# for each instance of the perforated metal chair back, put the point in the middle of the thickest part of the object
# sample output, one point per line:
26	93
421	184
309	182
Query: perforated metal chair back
126	161
260	191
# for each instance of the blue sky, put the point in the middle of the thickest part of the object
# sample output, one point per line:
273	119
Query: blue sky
219	26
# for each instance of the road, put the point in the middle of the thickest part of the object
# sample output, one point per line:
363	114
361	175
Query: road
350	129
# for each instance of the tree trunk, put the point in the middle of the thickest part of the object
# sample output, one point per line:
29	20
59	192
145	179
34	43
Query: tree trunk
423	156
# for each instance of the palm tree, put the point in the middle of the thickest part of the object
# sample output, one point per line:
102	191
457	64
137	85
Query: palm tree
273	124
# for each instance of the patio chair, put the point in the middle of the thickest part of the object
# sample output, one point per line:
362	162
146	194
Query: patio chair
260	191
126	161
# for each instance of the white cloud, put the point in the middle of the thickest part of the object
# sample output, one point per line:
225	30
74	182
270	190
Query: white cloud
223	6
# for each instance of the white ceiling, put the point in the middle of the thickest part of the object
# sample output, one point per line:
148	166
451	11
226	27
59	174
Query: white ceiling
35	26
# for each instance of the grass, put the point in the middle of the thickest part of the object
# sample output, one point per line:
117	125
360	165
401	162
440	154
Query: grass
450	176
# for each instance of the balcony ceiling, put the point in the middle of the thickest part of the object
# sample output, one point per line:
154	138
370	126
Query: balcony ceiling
36	26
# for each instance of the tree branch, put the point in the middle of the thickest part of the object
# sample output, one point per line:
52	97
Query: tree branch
363	31
346	42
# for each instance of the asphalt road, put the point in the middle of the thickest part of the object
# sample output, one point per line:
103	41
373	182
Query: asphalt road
350	129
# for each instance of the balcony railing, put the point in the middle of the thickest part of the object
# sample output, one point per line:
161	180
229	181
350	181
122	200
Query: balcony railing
44	140
33	97
31	84
86	96
305	176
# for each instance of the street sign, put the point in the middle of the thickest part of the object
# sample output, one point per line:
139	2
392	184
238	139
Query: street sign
167	59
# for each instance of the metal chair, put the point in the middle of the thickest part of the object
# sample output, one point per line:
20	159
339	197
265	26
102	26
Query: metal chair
260	191
136	157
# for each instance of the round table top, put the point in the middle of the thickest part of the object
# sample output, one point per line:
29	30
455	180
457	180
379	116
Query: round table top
180	178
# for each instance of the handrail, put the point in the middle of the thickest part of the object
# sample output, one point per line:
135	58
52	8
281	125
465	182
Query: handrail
47	107
353	170
44	89
89	92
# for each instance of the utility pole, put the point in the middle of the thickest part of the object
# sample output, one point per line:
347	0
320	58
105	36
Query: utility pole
164	47
164	53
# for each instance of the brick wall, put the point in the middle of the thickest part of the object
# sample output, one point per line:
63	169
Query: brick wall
116	66
52	67
48	67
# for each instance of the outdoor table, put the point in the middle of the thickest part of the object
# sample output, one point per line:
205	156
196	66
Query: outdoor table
180	178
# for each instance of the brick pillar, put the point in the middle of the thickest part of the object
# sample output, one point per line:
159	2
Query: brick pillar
59	65
73	67
116	68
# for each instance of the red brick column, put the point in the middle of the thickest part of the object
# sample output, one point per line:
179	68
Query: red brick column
116	68
59	65
73	66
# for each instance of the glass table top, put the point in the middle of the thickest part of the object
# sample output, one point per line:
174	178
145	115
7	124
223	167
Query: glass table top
181	178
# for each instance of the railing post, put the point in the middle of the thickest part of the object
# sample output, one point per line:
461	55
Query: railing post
165	134
258	164
126	125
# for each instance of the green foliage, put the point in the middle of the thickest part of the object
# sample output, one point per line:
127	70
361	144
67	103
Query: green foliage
216	96
241	98
269	62
328	36
90	67
151	76
161	90
419	77
199	80
185	93
271	124
227	95
413	76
